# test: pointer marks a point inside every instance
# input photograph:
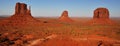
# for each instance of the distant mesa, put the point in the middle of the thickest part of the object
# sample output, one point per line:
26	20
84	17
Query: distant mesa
101	13
21	16
22	12
101	16
64	17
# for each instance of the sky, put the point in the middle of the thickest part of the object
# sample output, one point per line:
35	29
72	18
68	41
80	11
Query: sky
54	8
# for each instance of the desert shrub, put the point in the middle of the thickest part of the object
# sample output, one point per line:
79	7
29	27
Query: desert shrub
118	32
101	34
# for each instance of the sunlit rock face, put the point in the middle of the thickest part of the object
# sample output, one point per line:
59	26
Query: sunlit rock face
101	13
101	16
64	17
20	8
64	14
22	13
21	16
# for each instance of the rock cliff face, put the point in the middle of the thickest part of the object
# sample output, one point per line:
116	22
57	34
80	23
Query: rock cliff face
64	14
101	13
101	16
64	17
22	12
22	16
21	9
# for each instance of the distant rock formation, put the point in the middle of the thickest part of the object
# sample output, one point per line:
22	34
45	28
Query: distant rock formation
22	15
101	13
22	12
20	8
101	16
64	17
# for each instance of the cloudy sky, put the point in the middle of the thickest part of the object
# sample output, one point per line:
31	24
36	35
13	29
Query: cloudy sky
54	8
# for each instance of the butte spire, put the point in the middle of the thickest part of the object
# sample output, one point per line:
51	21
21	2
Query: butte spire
64	17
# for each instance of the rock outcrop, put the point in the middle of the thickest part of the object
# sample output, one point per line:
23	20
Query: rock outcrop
20	8
15	39
22	12
101	16
64	17
22	16
101	13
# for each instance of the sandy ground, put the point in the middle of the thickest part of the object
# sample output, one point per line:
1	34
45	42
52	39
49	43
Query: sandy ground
52	32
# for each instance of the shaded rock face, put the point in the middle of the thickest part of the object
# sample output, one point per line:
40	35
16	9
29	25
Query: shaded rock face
15	39
101	13
22	13
64	17
22	16
21	9
65	14
101	16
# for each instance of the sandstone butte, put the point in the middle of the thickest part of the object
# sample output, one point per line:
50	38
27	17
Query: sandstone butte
64	17
22	16
22	13
101	16
101	13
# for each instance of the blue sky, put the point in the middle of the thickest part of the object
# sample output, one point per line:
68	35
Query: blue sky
54	8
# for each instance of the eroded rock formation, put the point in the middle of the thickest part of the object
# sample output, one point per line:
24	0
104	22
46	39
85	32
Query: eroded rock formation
101	16
22	12
65	14
21	9
64	17
101	13
22	16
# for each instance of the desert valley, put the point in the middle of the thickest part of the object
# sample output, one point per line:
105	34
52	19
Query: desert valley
22	29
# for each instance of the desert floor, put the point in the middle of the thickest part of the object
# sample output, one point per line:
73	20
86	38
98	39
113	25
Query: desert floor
52	32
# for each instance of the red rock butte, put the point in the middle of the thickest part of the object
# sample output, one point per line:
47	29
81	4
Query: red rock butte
21	16
101	13
101	16
64	17
22	12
